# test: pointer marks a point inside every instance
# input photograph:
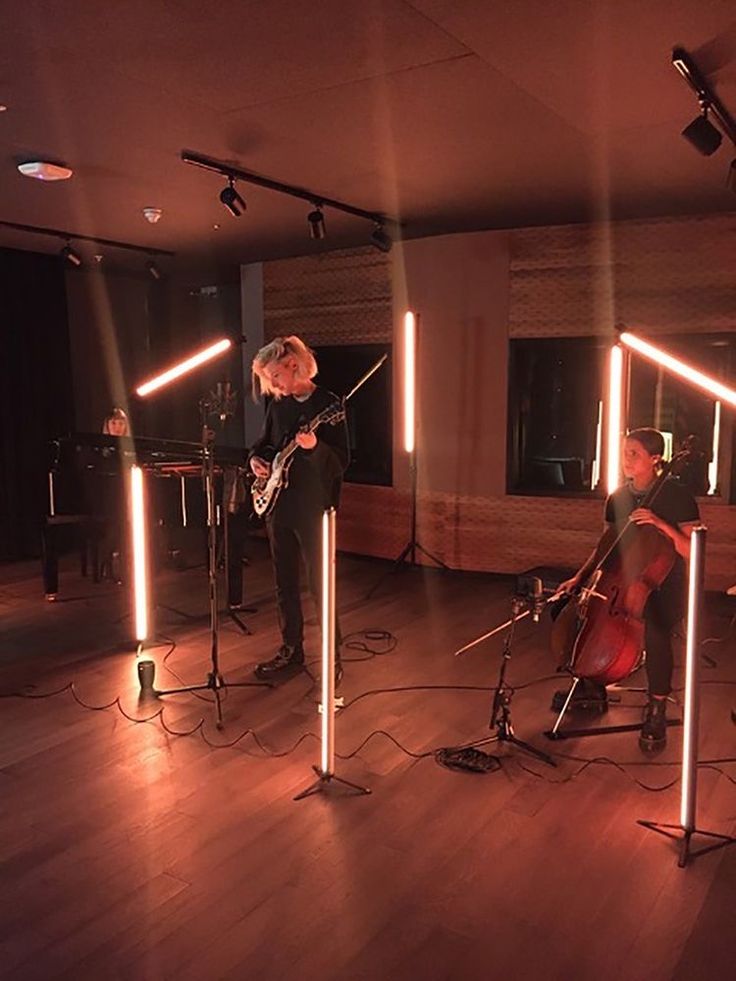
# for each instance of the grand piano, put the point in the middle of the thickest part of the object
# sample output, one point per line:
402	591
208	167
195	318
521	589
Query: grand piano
86	491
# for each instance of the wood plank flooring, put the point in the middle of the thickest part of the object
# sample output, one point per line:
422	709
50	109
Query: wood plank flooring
145	851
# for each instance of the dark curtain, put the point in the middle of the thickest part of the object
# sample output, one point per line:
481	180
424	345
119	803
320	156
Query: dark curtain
36	395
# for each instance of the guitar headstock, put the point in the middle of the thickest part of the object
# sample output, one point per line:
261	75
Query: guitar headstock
334	413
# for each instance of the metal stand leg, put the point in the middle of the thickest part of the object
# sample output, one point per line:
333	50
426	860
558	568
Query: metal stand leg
685	851
323	782
409	551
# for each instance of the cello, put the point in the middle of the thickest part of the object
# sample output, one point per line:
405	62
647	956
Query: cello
599	634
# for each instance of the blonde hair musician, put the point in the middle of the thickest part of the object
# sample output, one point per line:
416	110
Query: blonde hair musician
283	356
284	369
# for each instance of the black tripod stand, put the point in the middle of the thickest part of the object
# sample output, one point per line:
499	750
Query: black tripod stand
215	681
501	709
409	551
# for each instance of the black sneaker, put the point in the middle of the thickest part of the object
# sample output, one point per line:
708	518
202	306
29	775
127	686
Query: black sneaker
287	662
653	735
588	696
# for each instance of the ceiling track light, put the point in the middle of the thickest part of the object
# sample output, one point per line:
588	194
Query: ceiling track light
318	201
72	257
67	236
702	134
232	200
316	222
381	239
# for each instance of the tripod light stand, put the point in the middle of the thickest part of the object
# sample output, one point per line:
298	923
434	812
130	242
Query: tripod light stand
215	681
409	551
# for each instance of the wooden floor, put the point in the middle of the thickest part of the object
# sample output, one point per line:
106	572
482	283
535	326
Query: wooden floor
129	852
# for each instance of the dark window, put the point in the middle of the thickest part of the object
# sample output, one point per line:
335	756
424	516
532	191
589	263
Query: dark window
369	411
555	387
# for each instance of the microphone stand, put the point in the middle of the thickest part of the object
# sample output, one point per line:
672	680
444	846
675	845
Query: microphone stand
501	708
215	681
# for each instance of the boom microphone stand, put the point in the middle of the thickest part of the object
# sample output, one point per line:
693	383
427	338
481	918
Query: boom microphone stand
215	681
501	708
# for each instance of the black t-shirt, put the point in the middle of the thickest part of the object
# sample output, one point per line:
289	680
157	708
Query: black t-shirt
315	476
674	504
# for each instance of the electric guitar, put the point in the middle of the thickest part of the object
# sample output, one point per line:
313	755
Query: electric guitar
265	490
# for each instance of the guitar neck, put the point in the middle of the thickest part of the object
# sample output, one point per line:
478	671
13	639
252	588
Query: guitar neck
292	445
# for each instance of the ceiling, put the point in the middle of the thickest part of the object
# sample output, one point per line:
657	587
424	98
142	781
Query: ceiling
451	115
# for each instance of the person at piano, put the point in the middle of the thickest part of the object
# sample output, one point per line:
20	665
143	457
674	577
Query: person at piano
284	370
115	423
110	506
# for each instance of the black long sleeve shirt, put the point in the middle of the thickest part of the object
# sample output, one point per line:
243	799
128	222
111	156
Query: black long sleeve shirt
315	476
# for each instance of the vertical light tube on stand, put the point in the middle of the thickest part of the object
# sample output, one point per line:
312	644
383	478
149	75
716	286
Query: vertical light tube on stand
690	707
713	465
410	376
614	421
183	489
140	571
595	467
327	768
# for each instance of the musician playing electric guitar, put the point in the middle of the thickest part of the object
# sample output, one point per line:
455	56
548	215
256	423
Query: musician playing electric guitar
284	369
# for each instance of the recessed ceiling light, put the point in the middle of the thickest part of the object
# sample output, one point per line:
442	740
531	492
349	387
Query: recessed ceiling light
44	170
3	108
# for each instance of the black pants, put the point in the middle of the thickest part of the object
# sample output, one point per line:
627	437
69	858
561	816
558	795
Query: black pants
662	613
292	542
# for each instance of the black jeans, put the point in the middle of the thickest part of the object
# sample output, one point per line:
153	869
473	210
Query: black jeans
291	542
662	613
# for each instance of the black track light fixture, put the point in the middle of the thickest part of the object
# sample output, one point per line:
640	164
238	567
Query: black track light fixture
316	222
702	134
72	257
153	270
232	200
381	239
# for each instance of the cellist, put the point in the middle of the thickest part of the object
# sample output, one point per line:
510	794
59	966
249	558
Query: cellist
674	512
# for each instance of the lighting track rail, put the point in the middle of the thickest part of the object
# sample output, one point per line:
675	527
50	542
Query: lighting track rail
76	237
232	173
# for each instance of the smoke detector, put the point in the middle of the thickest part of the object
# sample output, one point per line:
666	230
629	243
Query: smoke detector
152	214
44	170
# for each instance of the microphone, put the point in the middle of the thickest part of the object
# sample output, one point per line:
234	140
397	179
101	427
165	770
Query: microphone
538	602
